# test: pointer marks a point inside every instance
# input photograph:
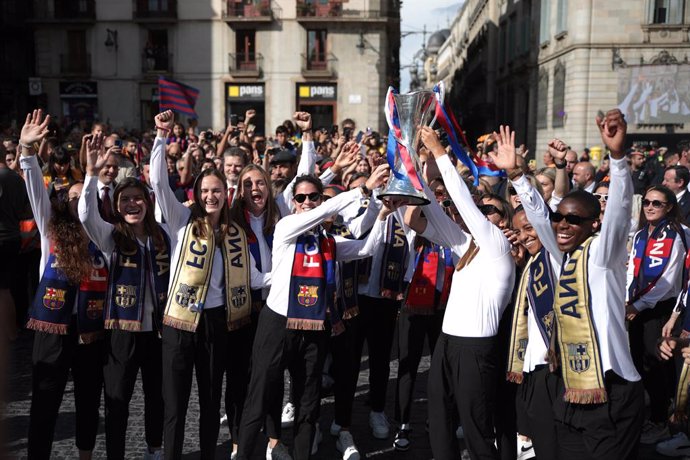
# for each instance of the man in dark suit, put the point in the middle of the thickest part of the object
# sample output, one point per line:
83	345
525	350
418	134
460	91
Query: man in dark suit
676	178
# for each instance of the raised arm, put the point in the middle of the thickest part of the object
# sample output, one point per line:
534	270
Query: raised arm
98	230
306	165
348	249
35	130
488	237
175	213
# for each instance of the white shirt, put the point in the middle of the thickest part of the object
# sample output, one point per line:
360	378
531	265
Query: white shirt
111	191
289	228
306	165
177	216
481	291
257	226
606	265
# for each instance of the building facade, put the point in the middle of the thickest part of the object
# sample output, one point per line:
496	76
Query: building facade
100	59
547	67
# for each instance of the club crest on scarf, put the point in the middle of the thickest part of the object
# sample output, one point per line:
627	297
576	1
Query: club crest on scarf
186	295
238	296
54	299
522	349
94	309
125	296
308	295
578	358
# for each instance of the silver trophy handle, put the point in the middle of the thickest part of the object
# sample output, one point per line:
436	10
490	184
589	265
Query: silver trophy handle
389	115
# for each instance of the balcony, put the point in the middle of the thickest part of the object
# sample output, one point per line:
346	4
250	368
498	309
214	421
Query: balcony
64	11
323	11
319	68
248	12
75	65
156	62
245	65
155	10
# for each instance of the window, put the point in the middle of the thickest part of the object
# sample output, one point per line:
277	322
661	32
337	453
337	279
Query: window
156	57
558	108
562	17
666	11
511	37
545	21
245	48
316	48
543	96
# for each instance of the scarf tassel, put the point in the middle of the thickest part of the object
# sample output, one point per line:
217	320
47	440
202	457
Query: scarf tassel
593	396
51	328
305	324
123	325
351	312
515	377
391	294
179	324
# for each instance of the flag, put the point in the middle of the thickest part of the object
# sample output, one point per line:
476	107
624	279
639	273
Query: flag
177	96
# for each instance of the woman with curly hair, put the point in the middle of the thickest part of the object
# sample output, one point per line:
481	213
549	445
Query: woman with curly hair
138	253
67	313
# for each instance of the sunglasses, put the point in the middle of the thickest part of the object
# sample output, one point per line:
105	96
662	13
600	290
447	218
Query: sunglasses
512	191
601	196
313	197
654	203
439	193
488	209
572	219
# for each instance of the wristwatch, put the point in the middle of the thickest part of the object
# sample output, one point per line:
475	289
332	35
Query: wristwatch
560	165
365	190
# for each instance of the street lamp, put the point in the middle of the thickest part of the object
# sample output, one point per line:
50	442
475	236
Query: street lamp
111	40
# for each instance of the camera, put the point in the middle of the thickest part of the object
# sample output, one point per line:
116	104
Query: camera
208	135
118	143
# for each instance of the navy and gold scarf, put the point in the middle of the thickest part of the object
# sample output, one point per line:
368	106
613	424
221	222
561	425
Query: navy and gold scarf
430	284
393	264
255	250
349	281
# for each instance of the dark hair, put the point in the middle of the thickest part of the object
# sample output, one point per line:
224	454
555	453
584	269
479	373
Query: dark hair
124	235
238	206
682	173
315	181
587	200
506	208
235	152
603	183
60	156
356	176
199	213
672	216
281	130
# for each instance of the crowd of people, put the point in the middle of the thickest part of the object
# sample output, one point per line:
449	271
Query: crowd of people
552	300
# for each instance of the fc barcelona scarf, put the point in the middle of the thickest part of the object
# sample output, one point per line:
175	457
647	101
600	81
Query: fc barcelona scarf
651	254
193	275
393	266
430	284
130	275
312	285
536	291
349	282
255	250
55	297
580	359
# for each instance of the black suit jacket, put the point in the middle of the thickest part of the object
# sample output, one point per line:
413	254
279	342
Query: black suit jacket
684	207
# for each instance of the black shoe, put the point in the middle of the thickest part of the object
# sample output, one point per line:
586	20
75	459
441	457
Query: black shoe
402	440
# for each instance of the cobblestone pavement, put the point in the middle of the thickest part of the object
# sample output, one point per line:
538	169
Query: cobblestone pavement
17	420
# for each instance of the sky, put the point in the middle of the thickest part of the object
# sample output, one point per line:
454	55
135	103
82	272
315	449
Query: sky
435	14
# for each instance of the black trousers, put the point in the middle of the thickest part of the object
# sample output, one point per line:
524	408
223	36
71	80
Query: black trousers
657	375
126	353
204	352
377	319
276	348
601	431
53	357
412	329
505	415
237	369
345	370
535	397
463	374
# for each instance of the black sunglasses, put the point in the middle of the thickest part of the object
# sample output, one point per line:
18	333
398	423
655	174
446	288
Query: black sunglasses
572	219
655	203
313	197
512	191
488	209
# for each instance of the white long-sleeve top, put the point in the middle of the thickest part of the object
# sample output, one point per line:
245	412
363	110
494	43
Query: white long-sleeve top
606	265
307	163
101	233
289	228
40	203
481	291
669	283
257	225
177	216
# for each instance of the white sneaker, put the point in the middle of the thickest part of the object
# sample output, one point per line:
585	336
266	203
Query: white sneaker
460	433
346	445
525	449
654	432
156	455
318	437
380	428
677	446
279	452
288	416
335	429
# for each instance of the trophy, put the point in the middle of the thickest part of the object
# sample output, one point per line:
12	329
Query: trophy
405	114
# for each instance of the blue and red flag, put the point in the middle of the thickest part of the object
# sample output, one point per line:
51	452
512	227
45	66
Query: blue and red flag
177	96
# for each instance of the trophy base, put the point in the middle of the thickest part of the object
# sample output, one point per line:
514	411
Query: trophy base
412	200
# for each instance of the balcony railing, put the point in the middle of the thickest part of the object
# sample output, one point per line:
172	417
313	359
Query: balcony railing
329	10
73	65
64	11
248	11
324	67
153	61
248	65
155	9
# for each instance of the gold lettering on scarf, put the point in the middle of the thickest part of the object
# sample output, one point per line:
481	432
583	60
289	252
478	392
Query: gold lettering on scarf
568	283
197	262
234	242
399	237
539	287
127	262
163	262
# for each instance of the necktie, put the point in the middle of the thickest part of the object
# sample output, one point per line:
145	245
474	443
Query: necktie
106	205
231	194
